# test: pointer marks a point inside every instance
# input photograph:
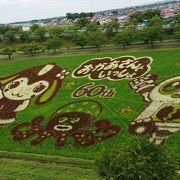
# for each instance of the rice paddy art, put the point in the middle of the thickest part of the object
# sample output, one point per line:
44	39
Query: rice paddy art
66	122
41	82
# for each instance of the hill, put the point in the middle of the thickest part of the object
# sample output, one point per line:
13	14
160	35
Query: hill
78	105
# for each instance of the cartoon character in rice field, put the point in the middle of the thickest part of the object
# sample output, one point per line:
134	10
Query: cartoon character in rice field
76	121
162	117
16	91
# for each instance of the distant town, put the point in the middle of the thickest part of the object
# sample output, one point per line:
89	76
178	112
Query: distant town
141	26
168	10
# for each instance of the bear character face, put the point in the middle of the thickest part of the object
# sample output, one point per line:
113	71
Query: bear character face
69	122
20	89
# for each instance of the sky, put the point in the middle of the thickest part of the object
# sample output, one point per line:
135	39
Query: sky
22	10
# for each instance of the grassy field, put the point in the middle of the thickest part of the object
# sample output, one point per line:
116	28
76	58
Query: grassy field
33	166
37	171
166	64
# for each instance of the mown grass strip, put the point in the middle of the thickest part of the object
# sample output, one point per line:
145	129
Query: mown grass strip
24	169
48	159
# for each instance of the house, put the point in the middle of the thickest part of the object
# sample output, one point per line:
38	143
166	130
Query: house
122	19
168	13
25	28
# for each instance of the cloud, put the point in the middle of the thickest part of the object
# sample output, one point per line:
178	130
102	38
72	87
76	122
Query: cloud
13	1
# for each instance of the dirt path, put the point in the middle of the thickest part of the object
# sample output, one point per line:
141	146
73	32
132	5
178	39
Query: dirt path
133	47
43	161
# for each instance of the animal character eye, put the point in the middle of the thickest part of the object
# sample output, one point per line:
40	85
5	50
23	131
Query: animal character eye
14	85
171	87
176	84
38	88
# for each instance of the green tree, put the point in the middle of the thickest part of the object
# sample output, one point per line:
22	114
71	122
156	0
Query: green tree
177	31
82	22
34	27
77	15
40	34
54	44
156	21
132	23
80	39
72	16
176	18
136	159
1	38
83	14
68	15
10	37
176	26
138	16
31	48
152	34
25	36
93	26
4	29
91	14
8	51
147	15
115	12
57	32
111	28
125	37
96	39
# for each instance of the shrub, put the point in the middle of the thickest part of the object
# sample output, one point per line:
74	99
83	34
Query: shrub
137	158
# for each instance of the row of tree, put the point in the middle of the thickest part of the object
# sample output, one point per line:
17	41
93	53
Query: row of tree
86	33
9	35
95	39
74	16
